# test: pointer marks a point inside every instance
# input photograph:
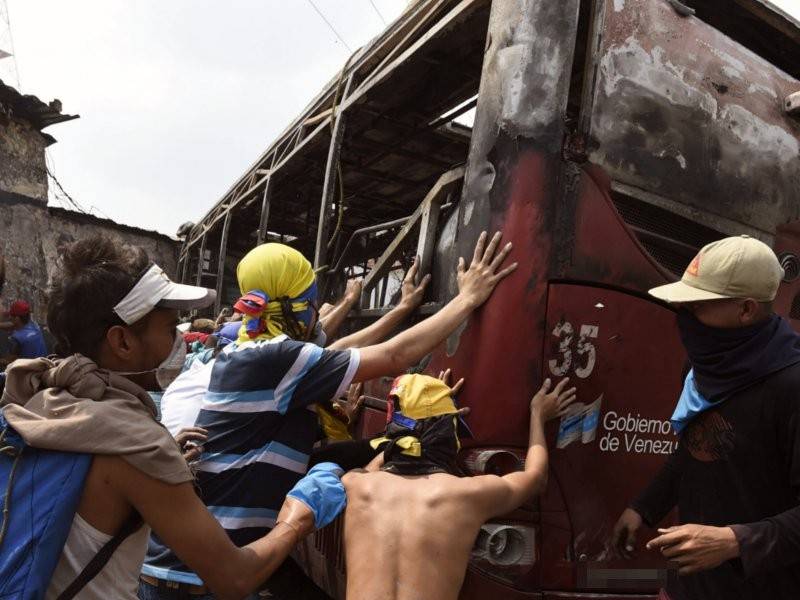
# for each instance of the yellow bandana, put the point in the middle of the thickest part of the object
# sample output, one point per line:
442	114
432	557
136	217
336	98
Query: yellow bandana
280	272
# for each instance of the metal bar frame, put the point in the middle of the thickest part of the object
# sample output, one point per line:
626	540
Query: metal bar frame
262	223
429	222
223	249
329	182
183	266
377	74
200	261
383	265
365	230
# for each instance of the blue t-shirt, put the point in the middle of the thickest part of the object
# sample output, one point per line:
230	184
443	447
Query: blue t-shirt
28	342
258	411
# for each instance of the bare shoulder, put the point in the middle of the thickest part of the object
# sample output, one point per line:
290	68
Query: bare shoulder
357	483
110	472
104	503
353	477
135	486
118	472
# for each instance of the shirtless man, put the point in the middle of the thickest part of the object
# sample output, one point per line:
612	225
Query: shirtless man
409	514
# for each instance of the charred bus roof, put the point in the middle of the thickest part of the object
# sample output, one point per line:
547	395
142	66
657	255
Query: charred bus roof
387	125
390	114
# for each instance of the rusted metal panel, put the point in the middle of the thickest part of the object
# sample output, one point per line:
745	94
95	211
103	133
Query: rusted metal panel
522	101
595	338
683	111
511	184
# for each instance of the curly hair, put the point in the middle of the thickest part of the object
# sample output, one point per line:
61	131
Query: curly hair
93	275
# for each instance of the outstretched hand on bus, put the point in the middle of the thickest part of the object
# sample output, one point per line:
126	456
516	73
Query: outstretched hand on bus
411	292
408	347
477	282
550	404
444	377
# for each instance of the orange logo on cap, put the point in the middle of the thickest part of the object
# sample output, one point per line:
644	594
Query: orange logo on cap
694	267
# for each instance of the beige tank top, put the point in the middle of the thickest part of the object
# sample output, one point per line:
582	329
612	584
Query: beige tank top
119	578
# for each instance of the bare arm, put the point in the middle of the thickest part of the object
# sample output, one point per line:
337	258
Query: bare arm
333	318
410	297
181	520
500	495
408	347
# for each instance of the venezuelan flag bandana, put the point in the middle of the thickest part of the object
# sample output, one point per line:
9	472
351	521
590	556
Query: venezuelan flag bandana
274	280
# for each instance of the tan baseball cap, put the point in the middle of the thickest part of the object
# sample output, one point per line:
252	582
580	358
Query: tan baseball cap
734	267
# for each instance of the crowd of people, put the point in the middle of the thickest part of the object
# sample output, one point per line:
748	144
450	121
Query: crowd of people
214	446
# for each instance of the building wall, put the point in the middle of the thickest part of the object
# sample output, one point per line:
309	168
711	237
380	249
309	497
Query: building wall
22	164
31	236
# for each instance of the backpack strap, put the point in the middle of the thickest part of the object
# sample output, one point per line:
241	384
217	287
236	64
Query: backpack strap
131	525
16	453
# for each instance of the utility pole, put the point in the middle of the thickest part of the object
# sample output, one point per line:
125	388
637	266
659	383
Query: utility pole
8	62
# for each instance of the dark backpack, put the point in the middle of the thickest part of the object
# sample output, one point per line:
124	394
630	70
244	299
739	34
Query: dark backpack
39	494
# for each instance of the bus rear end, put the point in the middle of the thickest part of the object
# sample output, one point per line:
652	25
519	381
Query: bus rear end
612	140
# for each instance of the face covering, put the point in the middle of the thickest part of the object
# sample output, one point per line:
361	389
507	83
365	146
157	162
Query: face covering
428	446
170	367
727	360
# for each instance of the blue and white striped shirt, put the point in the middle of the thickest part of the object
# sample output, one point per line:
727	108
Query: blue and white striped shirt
259	413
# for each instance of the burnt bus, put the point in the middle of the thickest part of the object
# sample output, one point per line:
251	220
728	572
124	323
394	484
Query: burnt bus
611	140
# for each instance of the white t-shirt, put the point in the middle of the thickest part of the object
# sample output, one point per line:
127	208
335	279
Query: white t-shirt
182	400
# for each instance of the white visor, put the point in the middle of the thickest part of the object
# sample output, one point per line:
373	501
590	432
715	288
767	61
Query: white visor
155	289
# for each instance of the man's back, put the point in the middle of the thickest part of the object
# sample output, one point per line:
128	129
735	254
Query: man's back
408	537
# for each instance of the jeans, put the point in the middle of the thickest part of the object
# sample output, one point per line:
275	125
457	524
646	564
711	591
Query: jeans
287	583
152	592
